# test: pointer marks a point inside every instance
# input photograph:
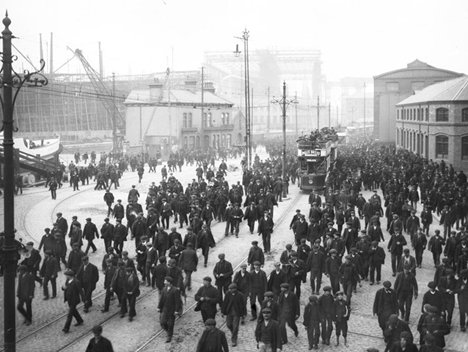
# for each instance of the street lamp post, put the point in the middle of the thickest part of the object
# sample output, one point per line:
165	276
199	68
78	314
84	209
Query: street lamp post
284	102
248	143
11	80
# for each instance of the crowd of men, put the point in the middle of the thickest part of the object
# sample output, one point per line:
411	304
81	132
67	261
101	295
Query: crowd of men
340	237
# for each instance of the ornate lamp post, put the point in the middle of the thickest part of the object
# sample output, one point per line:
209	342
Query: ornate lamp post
11	82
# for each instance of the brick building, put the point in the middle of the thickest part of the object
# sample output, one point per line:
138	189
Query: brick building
394	86
434	122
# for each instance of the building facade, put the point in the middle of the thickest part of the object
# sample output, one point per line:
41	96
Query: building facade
395	86
434	123
160	119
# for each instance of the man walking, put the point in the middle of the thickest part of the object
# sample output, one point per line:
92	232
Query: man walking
72	295
288	311
170	306
50	268
88	276
89	233
233	308
25	293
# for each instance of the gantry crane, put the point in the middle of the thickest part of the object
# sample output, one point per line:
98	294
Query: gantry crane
108	99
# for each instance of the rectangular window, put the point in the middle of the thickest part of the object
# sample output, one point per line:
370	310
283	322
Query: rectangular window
464	149
184	123
465	115
427	114
441	147
442	115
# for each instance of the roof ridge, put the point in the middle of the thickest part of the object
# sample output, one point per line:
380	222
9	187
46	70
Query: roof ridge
462	88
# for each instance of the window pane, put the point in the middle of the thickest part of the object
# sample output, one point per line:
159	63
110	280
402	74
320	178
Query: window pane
442	114
465	115
441	147
464	145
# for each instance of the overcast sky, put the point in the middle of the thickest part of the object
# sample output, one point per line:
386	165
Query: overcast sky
356	37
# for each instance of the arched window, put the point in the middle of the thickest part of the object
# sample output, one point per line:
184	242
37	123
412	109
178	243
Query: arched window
441	147
442	114
464	148
465	115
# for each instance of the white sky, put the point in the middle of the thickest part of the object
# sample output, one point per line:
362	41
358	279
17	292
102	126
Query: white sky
356	37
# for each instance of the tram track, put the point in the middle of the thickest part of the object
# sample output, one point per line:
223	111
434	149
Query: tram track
189	309
148	294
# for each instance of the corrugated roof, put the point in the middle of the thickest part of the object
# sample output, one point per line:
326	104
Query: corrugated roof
452	90
177	96
416	65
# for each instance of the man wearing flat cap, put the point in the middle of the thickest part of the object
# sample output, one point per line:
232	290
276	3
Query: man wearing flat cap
223	276
207	297
385	304
289	311
212	339
268	333
73	293
233	308
433	297
89	233
255	254
258	286
169	306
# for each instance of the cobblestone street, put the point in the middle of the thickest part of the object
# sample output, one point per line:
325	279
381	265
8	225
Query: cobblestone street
35	211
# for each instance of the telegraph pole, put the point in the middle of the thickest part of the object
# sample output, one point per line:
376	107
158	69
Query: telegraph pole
284	102
9	80
202	125
318	112
114	117
295	113
329	115
268	112
365	129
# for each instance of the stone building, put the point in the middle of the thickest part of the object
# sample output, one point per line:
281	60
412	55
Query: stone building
433	123
394	86
159	119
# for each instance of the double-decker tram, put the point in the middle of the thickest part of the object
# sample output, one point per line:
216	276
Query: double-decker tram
316	155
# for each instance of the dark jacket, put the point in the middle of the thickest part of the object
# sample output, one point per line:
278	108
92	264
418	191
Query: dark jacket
25	289
90	231
170	301
269	332
188	260
50	267
73	292
88	276
102	345
212	340
234	303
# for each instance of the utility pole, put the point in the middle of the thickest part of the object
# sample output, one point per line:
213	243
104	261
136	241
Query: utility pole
10	244
365	128
329	115
318	112
114	118
268	111
202	125
284	102
295	113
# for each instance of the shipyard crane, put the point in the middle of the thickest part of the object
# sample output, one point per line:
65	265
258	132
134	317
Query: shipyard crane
108	99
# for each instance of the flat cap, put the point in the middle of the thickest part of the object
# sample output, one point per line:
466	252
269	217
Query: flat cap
387	284
210	322
268	294
284	285
69	272
327	288
207	278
